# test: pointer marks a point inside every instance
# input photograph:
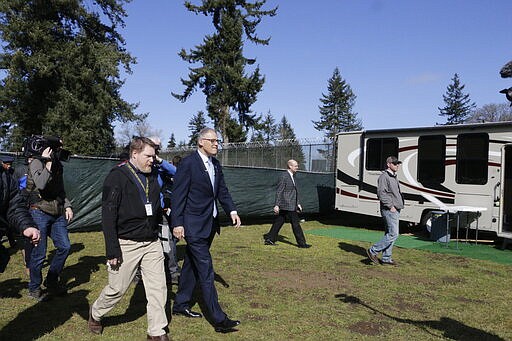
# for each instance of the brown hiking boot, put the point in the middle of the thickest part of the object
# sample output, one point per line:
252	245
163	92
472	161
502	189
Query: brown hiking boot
94	326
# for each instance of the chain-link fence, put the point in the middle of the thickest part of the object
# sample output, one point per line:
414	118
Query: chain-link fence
312	155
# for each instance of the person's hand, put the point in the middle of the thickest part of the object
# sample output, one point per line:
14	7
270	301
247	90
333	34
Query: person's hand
69	214
46	154
276	209
33	234
114	263
179	232
392	209
236	220
158	159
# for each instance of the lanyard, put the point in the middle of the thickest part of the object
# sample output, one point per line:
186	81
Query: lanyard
146	188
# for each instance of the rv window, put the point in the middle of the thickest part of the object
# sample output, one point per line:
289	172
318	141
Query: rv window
377	151
472	158
431	159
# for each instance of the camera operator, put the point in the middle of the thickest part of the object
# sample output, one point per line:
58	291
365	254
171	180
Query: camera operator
13	213
51	211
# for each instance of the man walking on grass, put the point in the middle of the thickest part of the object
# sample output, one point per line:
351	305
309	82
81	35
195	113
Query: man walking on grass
391	203
131	213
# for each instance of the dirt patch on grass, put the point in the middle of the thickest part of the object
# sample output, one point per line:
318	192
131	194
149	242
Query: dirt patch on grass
450	280
257	305
402	304
370	328
295	279
387	273
469	300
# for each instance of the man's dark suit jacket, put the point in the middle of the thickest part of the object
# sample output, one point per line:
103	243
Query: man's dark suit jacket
193	196
286	193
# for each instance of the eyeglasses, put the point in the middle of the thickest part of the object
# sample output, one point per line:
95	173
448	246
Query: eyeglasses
212	141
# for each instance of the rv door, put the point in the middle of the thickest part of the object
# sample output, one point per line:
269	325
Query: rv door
505	223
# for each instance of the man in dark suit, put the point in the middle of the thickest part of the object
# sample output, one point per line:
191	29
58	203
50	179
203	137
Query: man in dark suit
287	205
198	186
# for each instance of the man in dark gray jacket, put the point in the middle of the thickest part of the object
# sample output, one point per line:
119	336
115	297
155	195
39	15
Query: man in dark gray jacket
287	205
391	202
13	214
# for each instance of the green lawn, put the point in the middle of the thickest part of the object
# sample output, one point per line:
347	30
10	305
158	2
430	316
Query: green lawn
327	292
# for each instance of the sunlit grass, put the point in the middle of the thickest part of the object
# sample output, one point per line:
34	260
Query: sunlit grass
328	292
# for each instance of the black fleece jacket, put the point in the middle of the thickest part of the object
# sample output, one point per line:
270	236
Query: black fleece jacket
13	206
123	211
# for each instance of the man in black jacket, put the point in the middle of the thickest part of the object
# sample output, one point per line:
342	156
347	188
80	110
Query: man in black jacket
131	213
13	212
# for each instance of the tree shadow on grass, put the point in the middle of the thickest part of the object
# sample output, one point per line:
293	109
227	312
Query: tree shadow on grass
44	317
452	329
135	310
11	288
81	271
75	247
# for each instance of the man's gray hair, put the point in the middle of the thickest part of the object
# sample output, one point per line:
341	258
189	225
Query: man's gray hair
204	132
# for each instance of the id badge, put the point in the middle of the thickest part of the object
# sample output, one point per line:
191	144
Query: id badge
149	209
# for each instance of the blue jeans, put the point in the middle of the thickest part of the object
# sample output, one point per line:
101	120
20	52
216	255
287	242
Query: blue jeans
56	228
385	245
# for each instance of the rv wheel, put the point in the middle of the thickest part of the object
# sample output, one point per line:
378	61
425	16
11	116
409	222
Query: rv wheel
426	221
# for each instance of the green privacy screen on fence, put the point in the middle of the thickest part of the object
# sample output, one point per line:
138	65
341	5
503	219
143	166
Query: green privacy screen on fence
252	189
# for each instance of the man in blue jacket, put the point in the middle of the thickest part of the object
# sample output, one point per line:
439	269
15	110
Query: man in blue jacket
198	185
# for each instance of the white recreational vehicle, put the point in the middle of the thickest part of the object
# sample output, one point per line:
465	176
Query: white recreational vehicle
443	167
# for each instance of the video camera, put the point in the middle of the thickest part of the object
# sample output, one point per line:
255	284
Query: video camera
34	146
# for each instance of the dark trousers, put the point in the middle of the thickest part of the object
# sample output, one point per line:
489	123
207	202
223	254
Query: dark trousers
198	268
278	223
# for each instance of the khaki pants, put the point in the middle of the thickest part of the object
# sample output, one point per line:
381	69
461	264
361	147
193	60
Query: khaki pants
151	259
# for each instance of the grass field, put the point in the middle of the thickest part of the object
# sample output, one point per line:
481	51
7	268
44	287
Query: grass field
327	292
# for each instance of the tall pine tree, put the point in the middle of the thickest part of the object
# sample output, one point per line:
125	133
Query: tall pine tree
62	61
222	74
458	106
336	114
265	130
196	123
290	148
172	142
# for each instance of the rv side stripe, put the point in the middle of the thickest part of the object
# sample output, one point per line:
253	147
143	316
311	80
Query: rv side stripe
353	195
363	186
427	190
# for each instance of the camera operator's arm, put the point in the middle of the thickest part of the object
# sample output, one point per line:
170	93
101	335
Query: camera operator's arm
68	210
40	171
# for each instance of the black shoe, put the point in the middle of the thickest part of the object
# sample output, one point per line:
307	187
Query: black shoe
226	325
187	313
304	246
38	295
269	242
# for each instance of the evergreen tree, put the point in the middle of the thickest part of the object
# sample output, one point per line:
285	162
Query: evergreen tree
61	62
458	106
172	142
336	113
196	123
290	148
222	75
266	129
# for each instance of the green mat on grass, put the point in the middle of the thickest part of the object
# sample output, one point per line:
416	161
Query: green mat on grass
478	251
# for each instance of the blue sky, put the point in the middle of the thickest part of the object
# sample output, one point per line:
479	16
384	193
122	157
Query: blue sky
397	55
